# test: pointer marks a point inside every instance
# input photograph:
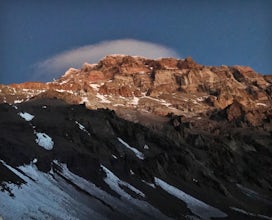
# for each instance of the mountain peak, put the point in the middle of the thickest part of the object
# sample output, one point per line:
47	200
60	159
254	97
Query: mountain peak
202	129
161	87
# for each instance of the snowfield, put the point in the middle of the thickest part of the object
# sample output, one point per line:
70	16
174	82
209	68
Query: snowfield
43	198
50	196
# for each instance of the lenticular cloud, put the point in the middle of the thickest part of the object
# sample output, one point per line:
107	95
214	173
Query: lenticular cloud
59	63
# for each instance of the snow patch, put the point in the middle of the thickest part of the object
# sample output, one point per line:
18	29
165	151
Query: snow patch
114	183
260	104
161	101
146	147
62	90
30	171
69	71
95	86
135	101
149	184
201	99
116	105
137	153
196	206
64	81
44	141
18	101
81	127
26	116
114	156
102	98
84	100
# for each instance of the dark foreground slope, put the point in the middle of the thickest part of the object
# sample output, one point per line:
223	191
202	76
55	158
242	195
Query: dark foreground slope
68	162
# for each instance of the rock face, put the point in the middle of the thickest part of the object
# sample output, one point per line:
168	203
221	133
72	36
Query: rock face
134	138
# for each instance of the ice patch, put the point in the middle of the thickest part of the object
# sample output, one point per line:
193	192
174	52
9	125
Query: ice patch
137	153
15	107
44	141
114	183
196	206
114	156
131	172
26	116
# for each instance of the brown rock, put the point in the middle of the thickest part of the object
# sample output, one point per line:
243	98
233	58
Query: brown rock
253	118
142	81
95	76
188	63
30	85
163	77
168	63
125	91
234	111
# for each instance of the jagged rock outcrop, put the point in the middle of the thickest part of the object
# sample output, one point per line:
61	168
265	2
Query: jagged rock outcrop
183	86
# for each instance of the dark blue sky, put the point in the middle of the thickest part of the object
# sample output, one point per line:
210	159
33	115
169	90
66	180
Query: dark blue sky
212	32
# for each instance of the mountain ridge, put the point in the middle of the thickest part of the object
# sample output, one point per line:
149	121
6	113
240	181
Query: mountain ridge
134	138
161	87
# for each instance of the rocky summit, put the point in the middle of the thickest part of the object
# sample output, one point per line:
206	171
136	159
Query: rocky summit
135	138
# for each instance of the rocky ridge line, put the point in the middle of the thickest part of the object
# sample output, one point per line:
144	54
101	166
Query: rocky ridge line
161	87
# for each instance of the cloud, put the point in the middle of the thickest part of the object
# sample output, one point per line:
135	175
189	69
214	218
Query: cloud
59	63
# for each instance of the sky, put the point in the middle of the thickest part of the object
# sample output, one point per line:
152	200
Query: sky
40	40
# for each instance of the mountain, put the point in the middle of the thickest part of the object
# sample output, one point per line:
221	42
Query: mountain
135	138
